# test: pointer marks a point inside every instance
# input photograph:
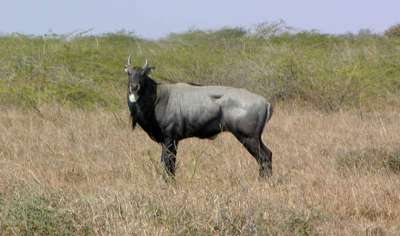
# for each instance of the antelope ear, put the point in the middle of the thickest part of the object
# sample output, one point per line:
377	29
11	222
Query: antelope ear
126	68
147	70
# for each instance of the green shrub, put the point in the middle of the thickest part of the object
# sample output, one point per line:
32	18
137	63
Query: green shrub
327	71
393	31
230	33
35	216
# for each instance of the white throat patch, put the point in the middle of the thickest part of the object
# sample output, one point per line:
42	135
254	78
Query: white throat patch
132	98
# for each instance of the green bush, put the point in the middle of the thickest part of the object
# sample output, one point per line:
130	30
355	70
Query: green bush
327	71
393	31
35	216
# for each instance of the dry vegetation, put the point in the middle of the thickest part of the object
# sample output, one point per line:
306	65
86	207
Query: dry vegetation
69	171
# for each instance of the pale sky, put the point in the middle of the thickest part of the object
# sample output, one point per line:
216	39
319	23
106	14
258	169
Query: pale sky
157	18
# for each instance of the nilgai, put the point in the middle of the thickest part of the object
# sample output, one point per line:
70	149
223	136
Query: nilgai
169	113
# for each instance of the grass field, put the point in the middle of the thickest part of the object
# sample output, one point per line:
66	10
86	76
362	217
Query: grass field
69	171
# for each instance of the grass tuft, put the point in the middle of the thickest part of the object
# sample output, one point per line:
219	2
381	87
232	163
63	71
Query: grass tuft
393	162
369	160
35	215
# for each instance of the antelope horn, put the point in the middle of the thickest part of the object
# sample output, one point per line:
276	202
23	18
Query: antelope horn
145	64
129	60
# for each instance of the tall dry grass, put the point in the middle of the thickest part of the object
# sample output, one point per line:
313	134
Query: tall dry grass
68	171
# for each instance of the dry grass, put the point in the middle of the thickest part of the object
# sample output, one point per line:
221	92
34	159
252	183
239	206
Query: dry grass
78	172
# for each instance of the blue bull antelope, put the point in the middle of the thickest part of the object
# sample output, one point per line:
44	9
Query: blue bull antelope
169	113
